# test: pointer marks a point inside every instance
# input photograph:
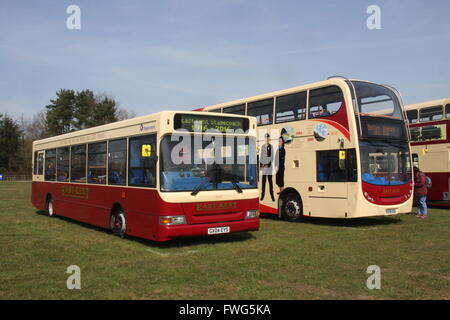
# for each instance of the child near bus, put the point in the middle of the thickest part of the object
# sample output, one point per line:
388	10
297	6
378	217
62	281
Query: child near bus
420	192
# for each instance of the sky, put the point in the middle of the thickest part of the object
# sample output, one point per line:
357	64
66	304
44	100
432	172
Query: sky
171	54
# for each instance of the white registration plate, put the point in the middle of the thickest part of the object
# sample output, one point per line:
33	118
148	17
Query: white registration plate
391	211
218	230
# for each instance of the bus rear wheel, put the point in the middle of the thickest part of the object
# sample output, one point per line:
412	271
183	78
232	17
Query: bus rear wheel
49	206
292	208
118	224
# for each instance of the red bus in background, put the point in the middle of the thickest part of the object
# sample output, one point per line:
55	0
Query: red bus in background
429	124
124	177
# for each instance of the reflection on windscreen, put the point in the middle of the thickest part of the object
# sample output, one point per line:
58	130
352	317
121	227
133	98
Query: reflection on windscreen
372	98
221	163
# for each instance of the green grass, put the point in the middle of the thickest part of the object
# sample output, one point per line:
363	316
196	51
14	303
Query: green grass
317	259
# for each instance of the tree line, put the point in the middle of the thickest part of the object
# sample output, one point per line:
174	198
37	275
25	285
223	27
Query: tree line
70	111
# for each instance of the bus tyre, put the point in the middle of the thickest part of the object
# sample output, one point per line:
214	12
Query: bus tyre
49	207
292	207
118	224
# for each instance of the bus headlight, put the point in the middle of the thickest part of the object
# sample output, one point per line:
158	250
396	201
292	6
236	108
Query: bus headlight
252	214
172	220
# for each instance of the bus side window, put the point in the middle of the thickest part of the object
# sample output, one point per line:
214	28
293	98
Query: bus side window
63	164
97	163
117	158
431	113
336	165
290	107
78	163
412	116
50	165
262	110
239	109
447	110
325	101
142	164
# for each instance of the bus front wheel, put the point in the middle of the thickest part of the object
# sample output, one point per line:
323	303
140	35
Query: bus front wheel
118	223
292	207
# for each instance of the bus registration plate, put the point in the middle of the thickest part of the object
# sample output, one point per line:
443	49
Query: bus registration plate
391	211
218	230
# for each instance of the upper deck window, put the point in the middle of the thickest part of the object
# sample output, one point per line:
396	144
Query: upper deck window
431	114
373	98
290	107
325	101
412	116
262	110
239	109
447	111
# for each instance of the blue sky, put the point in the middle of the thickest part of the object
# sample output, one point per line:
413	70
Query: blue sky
167	54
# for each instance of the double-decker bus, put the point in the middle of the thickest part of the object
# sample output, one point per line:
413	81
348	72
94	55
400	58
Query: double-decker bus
158	177
327	153
429	124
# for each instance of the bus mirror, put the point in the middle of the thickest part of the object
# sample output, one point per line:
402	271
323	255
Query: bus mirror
342	155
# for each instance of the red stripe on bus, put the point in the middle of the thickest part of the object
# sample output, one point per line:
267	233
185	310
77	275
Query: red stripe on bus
267	209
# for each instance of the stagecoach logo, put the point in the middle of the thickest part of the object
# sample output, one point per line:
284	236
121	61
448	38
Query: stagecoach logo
320	131
216	206
146	128
75	192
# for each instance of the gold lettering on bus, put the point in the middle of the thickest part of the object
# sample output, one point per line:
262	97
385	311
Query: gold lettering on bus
75	192
391	190
216	206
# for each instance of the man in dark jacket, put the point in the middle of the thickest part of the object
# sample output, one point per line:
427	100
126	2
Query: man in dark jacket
266	159
420	192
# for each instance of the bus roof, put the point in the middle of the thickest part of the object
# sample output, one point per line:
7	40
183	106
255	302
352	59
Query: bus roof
431	103
329	81
123	124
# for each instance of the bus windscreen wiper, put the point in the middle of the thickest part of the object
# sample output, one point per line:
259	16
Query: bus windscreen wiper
236	186
198	188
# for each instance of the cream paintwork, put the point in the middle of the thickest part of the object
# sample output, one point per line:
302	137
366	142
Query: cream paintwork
160	123
332	199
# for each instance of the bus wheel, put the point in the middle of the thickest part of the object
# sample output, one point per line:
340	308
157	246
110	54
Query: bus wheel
49	206
292	207
118	223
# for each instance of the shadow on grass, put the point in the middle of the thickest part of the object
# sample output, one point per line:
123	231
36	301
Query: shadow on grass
177	242
350	223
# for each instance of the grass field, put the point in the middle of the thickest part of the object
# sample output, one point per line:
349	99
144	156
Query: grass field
316	259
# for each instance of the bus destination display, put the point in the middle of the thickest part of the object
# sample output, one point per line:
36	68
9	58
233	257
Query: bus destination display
383	129
202	123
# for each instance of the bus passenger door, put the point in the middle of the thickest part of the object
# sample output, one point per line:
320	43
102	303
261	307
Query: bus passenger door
329	196
38	169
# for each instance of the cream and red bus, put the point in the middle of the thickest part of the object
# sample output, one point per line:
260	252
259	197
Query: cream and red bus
429	124
341	160
158	177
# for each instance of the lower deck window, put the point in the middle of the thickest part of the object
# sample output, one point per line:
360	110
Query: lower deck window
336	165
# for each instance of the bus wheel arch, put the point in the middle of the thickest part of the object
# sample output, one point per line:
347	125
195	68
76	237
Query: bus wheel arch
49	205
118	220
290	205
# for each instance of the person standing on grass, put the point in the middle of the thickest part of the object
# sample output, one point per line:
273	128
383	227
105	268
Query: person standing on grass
420	192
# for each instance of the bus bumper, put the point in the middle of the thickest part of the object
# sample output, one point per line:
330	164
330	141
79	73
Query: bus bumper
170	232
